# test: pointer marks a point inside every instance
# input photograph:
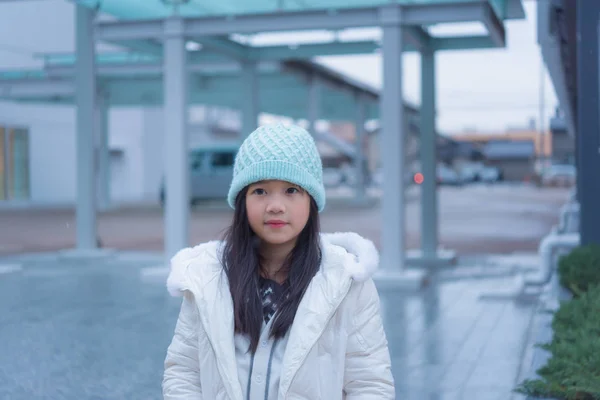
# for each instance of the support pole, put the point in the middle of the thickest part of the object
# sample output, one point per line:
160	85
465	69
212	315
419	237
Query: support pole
85	97
250	98
359	159
429	201
177	182
103	153
314	103
588	126
392	144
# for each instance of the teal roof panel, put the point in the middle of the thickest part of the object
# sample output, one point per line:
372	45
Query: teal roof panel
154	9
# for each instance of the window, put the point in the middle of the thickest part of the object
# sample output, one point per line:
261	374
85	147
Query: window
223	159
14	163
19	166
197	160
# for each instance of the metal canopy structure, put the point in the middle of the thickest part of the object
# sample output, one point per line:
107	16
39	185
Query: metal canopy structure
284	87
142	9
160	34
142	26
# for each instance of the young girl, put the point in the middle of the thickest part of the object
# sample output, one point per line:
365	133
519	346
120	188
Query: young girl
277	310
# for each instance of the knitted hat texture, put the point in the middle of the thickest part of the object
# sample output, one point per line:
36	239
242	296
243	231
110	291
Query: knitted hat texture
279	152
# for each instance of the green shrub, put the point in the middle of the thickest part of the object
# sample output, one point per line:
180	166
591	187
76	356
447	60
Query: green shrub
580	269
573	371
580	314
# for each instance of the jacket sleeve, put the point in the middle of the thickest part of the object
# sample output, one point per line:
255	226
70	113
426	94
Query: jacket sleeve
181	379
368	373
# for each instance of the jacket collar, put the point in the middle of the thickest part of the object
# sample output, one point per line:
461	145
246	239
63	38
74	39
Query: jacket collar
361	259
347	257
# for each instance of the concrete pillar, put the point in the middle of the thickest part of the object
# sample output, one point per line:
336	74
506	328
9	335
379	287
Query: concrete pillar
103	151
392	144
250	97
177	182
85	98
428	154
359	160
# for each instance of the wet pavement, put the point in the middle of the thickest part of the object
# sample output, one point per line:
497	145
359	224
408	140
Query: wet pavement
475	219
99	330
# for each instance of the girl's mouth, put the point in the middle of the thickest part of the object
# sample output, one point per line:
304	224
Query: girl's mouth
276	223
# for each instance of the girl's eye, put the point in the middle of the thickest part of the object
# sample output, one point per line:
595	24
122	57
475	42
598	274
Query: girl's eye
292	190
259	191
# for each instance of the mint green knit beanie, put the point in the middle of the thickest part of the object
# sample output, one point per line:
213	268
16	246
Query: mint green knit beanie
279	152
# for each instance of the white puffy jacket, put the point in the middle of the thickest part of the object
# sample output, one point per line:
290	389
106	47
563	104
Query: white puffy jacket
337	348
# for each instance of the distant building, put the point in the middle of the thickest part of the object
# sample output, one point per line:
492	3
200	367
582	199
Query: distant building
563	144
455	152
515	158
542	142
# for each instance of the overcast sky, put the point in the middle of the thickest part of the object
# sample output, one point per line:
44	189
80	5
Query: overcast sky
482	89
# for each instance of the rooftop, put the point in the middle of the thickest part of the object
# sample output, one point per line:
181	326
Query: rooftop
507	149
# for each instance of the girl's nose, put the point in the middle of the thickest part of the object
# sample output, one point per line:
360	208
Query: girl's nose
275	205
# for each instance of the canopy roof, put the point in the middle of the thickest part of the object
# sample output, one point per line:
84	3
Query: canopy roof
154	9
284	87
221	38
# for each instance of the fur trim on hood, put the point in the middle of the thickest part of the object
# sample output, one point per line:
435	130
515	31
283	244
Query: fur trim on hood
177	281
362	262
364	258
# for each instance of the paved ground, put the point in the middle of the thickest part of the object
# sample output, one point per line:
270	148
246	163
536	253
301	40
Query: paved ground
473	220
99	330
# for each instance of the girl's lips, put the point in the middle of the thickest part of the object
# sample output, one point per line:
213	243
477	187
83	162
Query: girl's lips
276	224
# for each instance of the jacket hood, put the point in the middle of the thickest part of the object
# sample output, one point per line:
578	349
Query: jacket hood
361	258
362	255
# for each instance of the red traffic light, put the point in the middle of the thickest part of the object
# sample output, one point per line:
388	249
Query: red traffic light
418	178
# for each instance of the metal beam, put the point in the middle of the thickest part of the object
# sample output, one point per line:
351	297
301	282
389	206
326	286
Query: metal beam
232	68
37	88
115	70
359	161
249	102
419	40
412	14
493	24
417	37
462	43
284	21
428	156
225	46
176	139
393	210
436	13
151	69
85	100
117	31
313	50
141	46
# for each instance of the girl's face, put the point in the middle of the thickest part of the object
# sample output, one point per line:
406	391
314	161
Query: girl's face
277	211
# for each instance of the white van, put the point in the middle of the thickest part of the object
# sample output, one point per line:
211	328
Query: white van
211	171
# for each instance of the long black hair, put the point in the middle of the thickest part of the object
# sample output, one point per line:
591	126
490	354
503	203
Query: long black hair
241	261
